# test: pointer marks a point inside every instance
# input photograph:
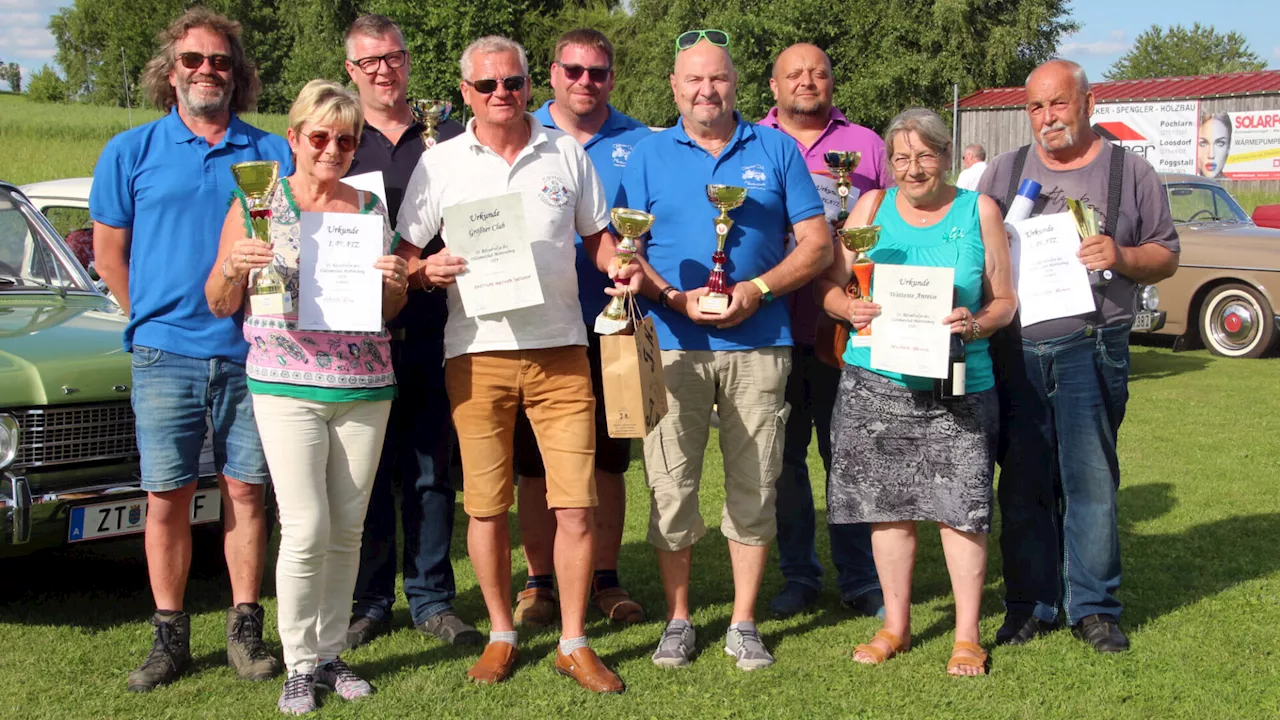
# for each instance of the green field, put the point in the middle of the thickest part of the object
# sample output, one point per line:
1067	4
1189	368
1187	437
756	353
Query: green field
1199	524
1199	518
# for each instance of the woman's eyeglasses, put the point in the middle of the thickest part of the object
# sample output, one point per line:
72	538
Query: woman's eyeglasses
513	83
597	75
926	161
320	140
686	40
393	60
194	60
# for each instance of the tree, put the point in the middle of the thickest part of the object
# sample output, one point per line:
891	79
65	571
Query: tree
47	87
12	74
1180	51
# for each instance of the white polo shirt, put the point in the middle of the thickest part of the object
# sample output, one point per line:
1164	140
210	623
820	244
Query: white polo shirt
562	195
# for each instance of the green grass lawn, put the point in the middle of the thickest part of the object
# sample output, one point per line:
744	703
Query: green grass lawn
1200	523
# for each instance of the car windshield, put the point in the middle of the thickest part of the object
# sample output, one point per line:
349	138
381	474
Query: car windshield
32	256
1203	202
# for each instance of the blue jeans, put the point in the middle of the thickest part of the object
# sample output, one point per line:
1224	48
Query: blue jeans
1062	402
172	396
415	456
811	392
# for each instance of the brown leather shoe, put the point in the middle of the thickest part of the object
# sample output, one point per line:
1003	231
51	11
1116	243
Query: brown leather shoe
584	666
536	608
495	664
617	605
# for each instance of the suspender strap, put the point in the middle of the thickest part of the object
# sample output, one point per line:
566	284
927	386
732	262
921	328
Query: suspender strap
1015	178
1114	183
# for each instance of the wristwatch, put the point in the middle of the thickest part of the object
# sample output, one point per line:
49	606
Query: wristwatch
764	289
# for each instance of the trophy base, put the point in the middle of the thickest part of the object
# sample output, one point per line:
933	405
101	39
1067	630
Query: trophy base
608	326
271	304
713	303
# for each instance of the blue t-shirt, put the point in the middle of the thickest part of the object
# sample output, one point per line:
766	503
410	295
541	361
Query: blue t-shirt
609	150
954	242
667	176
165	184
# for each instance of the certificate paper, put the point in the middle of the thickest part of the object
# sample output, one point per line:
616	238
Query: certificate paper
908	337
1050	280
339	289
490	235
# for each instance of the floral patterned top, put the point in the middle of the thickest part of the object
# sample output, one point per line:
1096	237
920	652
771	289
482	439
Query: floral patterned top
314	365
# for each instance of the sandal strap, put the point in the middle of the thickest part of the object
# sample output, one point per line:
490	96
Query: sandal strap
879	654
894	641
967	654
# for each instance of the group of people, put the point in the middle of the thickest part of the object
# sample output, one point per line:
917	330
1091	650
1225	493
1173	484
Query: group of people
336	420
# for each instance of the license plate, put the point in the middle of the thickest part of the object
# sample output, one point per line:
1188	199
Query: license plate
128	517
1142	321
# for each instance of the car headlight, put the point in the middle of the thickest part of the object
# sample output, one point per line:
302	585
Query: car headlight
9	434
1150	298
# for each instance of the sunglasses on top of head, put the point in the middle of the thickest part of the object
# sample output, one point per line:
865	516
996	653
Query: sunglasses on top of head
320	140
595	74
513	83
194	60
688	39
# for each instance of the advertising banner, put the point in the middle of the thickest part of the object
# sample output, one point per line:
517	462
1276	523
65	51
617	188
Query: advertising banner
1254	141
1162	132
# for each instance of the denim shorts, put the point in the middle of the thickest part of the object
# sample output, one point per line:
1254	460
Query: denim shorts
175	399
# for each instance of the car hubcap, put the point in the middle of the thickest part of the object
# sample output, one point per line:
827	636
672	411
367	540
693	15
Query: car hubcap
1234	324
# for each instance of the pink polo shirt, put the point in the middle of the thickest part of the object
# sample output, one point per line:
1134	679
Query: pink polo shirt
872	172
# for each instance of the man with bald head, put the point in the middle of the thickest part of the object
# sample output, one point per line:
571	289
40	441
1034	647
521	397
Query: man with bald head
1064	382
803	86
736	360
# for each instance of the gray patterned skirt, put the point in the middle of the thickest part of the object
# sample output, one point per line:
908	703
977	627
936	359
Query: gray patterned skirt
898	454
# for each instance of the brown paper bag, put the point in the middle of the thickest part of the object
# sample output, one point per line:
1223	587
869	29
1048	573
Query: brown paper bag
635	393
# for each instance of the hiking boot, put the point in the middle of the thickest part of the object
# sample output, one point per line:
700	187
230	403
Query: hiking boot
170	653
1102	632
245	650
364	628
448	627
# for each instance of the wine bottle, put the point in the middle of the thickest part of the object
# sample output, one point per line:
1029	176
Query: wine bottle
953	386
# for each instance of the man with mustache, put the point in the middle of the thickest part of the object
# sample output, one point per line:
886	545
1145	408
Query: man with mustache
737	359
803	86
160	195
582	77
1064	382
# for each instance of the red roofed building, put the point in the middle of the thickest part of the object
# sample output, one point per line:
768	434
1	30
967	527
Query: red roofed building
997	118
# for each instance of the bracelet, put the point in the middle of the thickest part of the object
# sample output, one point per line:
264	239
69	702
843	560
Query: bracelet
664	297
975	330
226	276
421	272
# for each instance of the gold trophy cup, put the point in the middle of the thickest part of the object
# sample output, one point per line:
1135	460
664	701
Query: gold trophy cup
841	164
431	113
725	198
631	224
257	179
860	240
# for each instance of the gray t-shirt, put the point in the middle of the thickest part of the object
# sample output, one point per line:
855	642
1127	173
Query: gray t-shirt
1144	218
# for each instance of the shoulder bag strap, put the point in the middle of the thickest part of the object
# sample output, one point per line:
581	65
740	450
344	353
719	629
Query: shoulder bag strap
1114	183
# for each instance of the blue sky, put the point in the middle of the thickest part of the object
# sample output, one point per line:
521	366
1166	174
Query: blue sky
1108	28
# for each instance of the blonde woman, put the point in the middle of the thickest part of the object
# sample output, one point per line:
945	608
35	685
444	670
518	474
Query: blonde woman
321	398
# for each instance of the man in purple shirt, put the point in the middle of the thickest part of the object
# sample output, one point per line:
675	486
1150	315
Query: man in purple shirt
802	87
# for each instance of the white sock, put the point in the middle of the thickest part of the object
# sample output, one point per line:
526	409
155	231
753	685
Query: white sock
568	645
507	637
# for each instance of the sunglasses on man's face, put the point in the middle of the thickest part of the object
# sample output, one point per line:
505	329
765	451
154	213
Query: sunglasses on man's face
320	140
686	40
194	60
597	75
513	83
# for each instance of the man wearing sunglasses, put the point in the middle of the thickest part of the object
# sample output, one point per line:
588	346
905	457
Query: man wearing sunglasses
737	360
159	198
582	77
532	358
803	86
417	451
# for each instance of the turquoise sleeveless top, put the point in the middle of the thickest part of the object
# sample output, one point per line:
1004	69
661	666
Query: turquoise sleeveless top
955	242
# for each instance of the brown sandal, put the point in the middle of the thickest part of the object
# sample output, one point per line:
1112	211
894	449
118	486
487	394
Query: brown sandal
896	644
616	604
967	654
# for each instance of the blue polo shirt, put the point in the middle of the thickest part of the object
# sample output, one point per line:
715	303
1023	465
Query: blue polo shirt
667	176
165	184
609	150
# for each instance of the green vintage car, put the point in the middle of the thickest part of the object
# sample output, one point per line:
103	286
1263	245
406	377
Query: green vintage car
68	455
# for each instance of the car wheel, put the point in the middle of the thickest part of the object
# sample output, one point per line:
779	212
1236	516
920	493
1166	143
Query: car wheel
1237	321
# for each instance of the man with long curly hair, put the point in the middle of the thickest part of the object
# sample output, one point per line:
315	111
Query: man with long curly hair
160	195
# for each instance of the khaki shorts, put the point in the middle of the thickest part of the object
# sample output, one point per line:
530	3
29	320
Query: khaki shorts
554	387
748	388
